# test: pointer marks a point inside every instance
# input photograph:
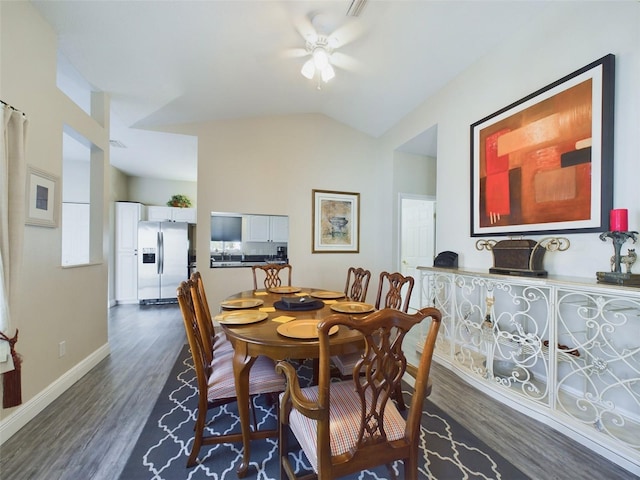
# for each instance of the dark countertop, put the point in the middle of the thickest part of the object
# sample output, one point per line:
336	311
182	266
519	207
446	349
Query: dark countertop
248	262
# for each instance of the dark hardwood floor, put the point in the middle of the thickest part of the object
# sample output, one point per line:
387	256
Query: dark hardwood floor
535	448
89	431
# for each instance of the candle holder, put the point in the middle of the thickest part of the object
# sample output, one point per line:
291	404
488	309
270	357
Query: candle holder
616	275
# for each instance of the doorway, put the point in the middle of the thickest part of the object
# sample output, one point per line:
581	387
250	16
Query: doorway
417	238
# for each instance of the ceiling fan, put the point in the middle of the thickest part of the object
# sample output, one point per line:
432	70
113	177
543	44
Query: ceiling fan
324	35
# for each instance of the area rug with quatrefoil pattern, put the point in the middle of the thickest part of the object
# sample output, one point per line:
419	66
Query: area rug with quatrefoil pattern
450	451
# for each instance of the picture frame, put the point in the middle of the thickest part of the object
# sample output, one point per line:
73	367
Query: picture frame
43	198
544	164
335	222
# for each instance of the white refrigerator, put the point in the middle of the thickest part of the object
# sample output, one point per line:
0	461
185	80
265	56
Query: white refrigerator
163	260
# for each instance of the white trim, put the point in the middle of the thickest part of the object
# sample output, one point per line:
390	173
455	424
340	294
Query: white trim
28	411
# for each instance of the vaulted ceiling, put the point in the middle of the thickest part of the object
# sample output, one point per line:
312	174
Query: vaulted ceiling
173	62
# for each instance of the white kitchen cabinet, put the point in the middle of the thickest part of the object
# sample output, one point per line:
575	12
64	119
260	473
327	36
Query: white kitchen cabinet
128	214
184	215
267	228
171	214
159	214
279	229
562	348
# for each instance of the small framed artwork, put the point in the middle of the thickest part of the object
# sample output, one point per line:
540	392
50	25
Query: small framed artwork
43	198
544	164
336	222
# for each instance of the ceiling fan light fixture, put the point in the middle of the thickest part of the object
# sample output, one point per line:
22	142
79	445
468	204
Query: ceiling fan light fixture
328	73
320	58
308	69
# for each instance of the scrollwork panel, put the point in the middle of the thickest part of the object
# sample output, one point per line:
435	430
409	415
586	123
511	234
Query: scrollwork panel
599	366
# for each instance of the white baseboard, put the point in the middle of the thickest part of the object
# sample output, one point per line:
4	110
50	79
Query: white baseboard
28	410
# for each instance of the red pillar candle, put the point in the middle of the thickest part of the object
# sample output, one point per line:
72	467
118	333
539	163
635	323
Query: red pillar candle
619	220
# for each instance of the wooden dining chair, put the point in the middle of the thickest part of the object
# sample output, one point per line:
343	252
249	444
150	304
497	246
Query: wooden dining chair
212	341
394	291
357	284
352	425
216	382
355	290
392	288
272	274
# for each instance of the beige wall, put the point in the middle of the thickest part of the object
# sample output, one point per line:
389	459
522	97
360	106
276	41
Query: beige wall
270	166
153	191
414	174
119	185
51	304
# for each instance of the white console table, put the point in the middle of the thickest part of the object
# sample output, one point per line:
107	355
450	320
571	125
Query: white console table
565	351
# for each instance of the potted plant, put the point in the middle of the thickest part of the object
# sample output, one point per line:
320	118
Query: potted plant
180	201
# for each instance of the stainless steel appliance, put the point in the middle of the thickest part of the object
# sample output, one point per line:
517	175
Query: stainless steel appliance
163	259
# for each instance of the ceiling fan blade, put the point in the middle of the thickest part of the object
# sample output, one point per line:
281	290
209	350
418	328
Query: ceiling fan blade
345	62
345	34
305	28
295	52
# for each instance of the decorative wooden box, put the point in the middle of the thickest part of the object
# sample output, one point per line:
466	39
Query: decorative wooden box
518	257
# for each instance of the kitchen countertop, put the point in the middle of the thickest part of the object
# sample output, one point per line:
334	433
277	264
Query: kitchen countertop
240	263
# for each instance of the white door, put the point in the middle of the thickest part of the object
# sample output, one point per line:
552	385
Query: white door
128	215
417	238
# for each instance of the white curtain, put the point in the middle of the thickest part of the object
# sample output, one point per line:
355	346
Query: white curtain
12	201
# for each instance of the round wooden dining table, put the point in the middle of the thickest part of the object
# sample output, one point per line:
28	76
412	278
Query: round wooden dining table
262	338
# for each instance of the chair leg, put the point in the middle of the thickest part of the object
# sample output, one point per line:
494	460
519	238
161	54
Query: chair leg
392	473
283	447
411	467
197	436
400	398
253	410
286	470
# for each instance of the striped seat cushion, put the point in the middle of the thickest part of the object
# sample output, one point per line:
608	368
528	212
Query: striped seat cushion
344	421
221	344
262	378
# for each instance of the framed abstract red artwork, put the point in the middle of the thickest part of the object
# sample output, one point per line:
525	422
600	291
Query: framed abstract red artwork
544	164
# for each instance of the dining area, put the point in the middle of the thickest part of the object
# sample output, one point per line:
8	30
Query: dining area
350	414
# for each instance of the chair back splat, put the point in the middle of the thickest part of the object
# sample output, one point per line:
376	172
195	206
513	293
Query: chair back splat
394	291
371	430
357	284
392	288
272	274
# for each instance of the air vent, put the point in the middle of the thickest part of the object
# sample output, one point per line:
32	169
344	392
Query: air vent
356	8
117	144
